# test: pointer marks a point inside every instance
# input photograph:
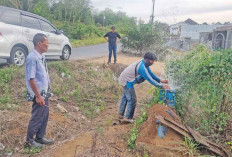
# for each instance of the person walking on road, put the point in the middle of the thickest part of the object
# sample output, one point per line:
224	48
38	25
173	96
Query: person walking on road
38	91
113	38
137	73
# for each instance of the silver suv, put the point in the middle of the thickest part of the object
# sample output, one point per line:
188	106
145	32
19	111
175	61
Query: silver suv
17	29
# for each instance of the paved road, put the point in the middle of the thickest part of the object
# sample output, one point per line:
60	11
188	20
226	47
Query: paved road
81	53
91	51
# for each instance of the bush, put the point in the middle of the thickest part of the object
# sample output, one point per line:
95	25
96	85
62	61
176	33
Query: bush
144	38
79	30
204	84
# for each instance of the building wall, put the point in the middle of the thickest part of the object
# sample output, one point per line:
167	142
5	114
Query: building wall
193	31
176	29
229	41
206	39
184	30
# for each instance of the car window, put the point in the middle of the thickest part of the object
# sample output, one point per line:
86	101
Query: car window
30	22
11	17
47	27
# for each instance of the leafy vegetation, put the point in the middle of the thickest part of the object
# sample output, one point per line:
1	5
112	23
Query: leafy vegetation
204	83
146	37
31	150
189	147
229	144
76	18
6	99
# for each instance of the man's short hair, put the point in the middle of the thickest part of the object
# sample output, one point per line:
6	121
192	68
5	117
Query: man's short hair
113	27
150	56
39	37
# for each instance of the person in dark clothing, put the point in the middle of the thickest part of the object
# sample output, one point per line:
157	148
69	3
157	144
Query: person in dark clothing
136	73
38	91
113	38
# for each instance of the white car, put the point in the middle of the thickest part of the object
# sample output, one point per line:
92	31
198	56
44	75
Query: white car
17	29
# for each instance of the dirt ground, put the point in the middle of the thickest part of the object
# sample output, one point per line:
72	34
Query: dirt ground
77	136
148	136
157	67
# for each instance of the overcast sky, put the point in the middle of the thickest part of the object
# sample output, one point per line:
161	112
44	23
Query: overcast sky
172	11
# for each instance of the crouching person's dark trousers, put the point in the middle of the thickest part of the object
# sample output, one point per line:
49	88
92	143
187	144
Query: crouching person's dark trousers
38	122
128	102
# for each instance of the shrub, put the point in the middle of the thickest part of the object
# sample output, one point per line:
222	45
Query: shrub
204	84
143	38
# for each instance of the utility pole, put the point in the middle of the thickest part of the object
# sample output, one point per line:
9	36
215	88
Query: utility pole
103	20
153	9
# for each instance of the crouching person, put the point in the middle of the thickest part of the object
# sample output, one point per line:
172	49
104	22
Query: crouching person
38	91
136	73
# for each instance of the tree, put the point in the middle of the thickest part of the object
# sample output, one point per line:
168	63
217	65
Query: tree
42	8
218	23
142	38
226	23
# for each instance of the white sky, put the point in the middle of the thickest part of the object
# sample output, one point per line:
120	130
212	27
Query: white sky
172	11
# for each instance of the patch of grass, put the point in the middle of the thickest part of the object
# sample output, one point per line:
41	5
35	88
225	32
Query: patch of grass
86	42
64	98
6	76
145	154
83	86
133	136
31	150
189	147
135	130
99	129
67	115
57	91
109	122
229	143
9	151
63	68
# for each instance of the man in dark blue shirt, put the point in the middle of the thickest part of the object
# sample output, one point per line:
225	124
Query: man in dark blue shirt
111	37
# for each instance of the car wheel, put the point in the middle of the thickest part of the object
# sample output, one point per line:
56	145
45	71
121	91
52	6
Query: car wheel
65	53
17	56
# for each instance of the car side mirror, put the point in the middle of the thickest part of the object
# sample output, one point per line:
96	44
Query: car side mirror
60	31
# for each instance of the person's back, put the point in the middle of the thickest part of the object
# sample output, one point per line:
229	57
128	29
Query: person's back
128	74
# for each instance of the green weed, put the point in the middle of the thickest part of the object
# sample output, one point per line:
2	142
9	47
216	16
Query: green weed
145	153
63	68
31	150
6	76
229	143
135	130
109	122
189	147
133	136
99	129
